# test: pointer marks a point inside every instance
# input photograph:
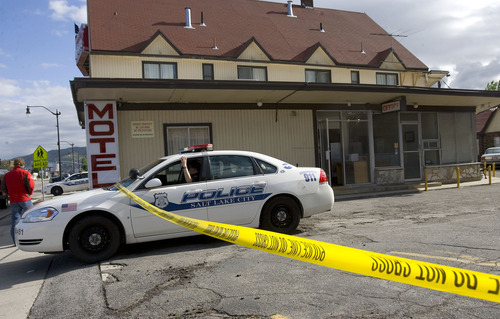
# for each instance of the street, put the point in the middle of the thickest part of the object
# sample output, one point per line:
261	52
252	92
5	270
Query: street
201	277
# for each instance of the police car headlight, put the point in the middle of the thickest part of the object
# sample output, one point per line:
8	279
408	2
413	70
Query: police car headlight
41	215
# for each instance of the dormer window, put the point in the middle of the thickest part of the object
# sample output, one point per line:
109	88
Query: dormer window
387	79
252	73
153	70
319	76
208	71
354	77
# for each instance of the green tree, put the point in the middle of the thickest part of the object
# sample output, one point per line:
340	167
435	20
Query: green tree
493	86
84	163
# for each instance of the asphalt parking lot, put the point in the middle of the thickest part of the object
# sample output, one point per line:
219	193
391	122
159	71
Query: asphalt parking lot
200	277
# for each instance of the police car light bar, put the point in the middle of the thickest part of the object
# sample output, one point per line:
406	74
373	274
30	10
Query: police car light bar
198	148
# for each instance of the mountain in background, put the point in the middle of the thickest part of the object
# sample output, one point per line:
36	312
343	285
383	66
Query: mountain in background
53	158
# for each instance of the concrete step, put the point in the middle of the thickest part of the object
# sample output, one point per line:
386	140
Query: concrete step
370	190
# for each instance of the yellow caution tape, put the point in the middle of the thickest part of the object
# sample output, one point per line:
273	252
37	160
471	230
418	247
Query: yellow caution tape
422	274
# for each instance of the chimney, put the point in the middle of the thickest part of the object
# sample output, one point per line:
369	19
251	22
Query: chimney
202	24
188	19
307	3
290	9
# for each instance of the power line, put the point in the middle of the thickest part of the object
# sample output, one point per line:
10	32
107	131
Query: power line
392	37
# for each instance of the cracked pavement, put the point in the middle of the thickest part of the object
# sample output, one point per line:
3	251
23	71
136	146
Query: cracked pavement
201	277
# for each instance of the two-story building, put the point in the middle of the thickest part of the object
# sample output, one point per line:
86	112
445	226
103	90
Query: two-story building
311	86
488	129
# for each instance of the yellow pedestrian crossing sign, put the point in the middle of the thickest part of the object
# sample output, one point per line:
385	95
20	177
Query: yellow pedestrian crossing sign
40	158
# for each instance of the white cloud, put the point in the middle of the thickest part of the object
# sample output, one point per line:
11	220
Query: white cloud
21	135
64	12
50	65
9	88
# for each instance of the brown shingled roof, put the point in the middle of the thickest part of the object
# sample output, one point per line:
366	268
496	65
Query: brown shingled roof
128	25
483	118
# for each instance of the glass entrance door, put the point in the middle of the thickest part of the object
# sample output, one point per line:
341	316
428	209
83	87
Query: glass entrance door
344	146
411	151
331	150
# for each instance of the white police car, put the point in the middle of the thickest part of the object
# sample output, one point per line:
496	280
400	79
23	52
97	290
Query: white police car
233	187
74	182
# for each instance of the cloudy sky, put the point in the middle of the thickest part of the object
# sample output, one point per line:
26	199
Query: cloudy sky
37	56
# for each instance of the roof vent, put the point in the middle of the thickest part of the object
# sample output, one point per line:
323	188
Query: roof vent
307	3
290	9
202	24
321	27
188	19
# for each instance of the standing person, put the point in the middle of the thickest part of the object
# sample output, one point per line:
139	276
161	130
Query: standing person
19	185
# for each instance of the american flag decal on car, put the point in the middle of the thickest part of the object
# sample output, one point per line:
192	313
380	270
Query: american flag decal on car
69	207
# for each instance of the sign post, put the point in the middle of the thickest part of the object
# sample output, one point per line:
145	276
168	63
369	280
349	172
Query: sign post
40	160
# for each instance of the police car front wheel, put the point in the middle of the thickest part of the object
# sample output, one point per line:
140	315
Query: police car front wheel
56	191
94	238
280	214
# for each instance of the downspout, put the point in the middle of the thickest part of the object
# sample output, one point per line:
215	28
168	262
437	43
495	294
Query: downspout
299	89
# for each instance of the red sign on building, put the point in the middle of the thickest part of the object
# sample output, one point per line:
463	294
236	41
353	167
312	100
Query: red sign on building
102	143
82	48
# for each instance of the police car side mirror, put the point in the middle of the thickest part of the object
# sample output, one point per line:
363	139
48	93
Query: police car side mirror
155	182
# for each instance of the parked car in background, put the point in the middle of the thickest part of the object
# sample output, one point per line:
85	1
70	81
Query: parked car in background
75	182
4	199
234	187
491	155
54	179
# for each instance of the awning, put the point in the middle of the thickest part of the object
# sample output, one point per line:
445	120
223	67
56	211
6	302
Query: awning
191	93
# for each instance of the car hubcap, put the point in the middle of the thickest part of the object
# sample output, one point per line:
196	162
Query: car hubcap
281	216
95	239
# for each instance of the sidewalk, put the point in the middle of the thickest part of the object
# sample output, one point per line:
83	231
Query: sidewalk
372	190
21	273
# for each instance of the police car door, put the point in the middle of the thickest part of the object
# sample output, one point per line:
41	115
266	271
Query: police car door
174	195
75	182
235	190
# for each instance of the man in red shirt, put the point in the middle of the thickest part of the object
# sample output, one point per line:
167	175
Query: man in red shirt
19	185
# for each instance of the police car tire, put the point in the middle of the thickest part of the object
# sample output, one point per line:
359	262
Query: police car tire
281	215
94	238
56	191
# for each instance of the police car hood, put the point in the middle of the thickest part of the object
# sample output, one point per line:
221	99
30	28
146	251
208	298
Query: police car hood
83	199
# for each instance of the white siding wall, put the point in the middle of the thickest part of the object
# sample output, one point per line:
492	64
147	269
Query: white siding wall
107	66
291	138
495	124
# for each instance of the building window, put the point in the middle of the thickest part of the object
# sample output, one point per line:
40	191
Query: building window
354	77
252	73
457	137
160	70
180	136
320	76
387	79
386	139
430	139
208	71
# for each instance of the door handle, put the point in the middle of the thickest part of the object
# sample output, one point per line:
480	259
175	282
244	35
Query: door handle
259	184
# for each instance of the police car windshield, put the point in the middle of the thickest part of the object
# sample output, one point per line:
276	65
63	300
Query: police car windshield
127	181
